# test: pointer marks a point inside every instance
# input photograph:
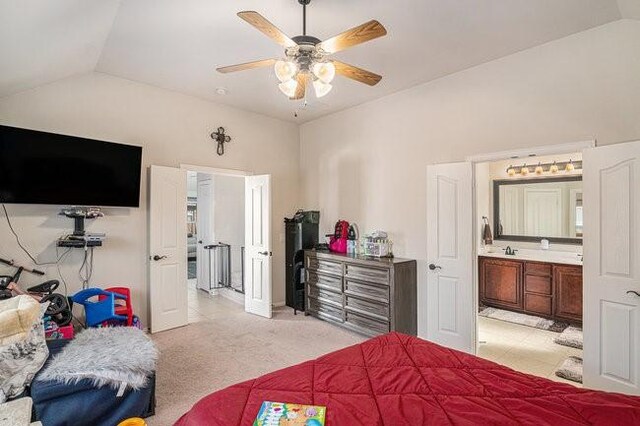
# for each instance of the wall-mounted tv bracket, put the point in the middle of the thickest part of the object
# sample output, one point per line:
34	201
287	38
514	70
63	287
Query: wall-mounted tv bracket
79	214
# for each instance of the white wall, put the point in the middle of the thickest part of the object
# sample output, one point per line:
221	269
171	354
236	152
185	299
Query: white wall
228	218
173	129
368	163
192	184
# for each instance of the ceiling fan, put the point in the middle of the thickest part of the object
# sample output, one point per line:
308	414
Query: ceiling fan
307	58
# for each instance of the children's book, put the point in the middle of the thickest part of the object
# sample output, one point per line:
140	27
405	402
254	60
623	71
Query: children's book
286	414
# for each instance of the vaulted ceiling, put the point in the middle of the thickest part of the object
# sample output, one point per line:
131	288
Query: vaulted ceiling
177	44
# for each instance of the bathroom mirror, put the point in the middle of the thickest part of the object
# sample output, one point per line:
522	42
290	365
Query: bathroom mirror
533	209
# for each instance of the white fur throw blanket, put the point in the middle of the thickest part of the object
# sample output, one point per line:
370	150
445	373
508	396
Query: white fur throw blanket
113	356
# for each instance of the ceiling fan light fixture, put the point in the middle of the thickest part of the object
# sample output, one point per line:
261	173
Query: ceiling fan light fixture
285	70
305	60
289	88
324	71
570	167
321	88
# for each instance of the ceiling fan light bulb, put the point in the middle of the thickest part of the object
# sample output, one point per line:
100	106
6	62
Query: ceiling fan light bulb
325	71
285	70
322	89
289	88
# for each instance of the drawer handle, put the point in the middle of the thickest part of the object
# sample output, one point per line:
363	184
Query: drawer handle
368	273
633	292
364	290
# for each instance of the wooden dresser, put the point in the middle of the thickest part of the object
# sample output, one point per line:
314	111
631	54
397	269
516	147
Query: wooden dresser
367	295
545	289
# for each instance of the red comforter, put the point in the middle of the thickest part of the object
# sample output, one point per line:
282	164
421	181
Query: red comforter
402	380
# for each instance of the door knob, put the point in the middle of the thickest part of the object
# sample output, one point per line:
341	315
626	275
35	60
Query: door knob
434	267
264	253
633	292
156	257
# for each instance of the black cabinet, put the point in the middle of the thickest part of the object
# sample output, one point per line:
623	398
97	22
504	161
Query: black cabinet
299	236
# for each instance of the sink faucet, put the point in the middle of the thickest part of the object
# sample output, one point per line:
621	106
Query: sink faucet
509	251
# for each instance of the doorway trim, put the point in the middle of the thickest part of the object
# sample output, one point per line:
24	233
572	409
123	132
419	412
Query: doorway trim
531	152
214	170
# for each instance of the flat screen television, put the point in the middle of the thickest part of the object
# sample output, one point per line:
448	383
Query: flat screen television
47	168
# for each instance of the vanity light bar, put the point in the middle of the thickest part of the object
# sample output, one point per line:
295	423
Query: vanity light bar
555	167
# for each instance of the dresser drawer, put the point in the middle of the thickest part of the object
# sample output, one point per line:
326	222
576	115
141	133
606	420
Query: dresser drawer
324	295
537	284
321	309
328	282
375	309
380	276
367	325
378	293
532	268
322	265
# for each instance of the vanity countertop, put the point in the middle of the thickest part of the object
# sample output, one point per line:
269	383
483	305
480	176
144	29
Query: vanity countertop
550	256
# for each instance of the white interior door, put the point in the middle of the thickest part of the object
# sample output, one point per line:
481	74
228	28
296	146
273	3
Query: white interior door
450	291
258	245
205	230
611	282
167	248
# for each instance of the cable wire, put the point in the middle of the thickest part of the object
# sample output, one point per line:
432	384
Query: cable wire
22	247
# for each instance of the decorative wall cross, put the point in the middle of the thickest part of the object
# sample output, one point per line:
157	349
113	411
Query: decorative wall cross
221	138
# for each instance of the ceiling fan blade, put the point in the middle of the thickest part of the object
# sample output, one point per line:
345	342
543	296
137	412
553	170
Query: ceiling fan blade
357	35
355	73
302	86
267	28
247	66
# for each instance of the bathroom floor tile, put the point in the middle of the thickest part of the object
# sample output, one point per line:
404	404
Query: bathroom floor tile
525	349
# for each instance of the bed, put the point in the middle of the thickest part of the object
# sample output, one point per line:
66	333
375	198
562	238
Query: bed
397	379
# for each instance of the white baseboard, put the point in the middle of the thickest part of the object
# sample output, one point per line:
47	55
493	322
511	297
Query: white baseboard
278	304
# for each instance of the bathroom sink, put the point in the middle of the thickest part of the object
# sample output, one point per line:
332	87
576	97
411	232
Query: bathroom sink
550	256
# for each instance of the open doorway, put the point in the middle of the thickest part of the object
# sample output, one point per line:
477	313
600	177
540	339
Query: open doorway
168	253
604	295
215	239
529	264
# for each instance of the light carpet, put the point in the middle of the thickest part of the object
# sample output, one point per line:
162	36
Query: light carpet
226	346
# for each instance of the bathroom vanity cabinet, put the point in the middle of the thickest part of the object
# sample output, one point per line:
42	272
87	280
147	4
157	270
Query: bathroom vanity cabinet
549	290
